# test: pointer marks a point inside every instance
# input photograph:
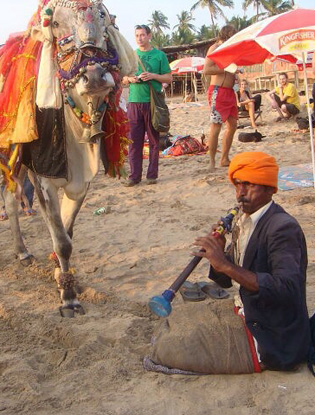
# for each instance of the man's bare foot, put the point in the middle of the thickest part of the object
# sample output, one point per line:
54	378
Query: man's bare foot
212	166
225	163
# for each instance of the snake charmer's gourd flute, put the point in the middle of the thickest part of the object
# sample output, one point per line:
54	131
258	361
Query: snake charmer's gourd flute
161	304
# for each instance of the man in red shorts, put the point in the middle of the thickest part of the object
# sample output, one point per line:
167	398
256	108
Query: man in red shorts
222	101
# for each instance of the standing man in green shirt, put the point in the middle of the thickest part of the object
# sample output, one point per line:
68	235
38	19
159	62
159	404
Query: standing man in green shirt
157	72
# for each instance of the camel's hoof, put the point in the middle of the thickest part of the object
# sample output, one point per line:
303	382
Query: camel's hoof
28	260
66	311
69	310
79	309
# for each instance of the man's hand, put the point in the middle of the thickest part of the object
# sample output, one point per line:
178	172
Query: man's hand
213	247
130	80
213	250
147	76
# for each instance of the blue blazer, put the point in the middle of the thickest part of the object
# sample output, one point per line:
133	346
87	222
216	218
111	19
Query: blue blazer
277	314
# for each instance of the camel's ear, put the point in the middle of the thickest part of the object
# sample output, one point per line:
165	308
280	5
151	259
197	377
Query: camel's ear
37	33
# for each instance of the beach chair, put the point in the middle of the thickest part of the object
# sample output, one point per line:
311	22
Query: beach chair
243	114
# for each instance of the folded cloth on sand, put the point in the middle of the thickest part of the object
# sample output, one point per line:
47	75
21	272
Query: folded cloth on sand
254	167
149	365
202	338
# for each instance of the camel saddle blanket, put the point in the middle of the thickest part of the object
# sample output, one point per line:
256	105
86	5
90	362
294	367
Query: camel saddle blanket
47	155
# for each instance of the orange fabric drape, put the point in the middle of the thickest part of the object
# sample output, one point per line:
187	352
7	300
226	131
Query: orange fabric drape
18	67
116	127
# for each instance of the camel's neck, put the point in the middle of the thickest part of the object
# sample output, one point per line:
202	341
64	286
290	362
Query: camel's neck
83	156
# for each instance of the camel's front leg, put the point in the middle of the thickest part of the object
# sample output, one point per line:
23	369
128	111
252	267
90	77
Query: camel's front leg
69	211
62	244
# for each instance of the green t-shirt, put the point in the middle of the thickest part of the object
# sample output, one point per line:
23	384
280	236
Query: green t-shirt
154	61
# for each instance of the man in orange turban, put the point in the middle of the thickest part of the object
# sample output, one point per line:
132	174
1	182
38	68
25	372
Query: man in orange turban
255	176
268	260
255	167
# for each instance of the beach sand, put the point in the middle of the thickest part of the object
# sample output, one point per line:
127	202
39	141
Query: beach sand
92	364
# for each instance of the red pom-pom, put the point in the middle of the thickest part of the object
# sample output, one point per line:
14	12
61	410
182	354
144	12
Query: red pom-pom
46	23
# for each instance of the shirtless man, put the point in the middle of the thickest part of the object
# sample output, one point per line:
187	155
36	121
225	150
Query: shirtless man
222	101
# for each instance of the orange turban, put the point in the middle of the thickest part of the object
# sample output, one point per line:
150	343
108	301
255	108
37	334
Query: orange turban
254	167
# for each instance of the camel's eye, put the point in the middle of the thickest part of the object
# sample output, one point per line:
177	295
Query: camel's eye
102	15
55	24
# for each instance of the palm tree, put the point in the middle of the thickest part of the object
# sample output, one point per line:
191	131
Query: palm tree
255	3
274	7
159	40
184	20
182	37
240	22
206	32
214	7
158	22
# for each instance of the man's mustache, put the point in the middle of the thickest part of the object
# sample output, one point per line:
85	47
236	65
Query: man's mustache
242	199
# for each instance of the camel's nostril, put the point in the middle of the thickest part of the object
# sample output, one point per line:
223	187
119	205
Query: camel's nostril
85	79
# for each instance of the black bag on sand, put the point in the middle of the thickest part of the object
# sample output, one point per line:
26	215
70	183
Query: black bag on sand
250	137
303	122
164	142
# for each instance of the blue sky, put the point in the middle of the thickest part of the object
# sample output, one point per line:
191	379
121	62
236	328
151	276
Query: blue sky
16	13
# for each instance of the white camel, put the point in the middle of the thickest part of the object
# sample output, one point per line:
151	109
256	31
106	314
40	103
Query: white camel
79	30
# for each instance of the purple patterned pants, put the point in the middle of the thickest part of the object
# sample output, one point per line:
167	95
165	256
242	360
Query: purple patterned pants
139	116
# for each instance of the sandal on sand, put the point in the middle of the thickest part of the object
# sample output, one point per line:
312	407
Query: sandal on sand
214	291
29	212
192	292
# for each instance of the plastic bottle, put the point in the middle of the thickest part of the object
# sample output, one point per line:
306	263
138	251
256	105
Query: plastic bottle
101	210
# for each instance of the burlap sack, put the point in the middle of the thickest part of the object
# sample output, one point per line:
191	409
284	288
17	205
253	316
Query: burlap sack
204	338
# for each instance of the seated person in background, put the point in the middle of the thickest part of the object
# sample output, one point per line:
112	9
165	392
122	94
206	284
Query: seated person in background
246	102
284	98
189	97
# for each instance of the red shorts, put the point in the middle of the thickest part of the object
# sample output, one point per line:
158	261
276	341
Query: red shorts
222	103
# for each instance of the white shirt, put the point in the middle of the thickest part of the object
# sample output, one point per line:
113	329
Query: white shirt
247	224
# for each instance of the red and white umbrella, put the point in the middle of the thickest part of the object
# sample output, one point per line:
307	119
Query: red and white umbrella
297	62
288	35
308	61
187	65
